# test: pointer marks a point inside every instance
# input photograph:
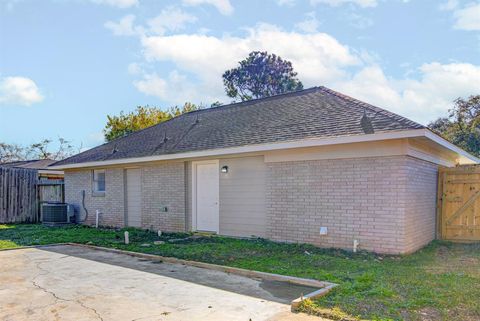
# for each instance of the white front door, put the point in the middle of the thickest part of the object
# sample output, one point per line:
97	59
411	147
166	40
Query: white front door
206	195
134	198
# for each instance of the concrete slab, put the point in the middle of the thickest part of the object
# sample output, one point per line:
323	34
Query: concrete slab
72	283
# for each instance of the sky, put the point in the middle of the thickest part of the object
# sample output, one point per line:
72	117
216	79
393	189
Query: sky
67	64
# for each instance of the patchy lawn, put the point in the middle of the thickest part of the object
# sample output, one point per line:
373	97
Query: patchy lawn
440	282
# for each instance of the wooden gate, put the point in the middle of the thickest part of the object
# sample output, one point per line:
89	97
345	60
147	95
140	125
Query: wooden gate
459	203
49	190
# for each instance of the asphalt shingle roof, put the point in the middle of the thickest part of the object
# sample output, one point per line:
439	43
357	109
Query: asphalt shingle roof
311	113
33	164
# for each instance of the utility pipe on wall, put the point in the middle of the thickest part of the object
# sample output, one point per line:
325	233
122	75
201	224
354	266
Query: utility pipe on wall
84	208
355	246
97	214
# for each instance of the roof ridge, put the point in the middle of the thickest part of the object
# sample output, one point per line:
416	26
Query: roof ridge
27	161
252	101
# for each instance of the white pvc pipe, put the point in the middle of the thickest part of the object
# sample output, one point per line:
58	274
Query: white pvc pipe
97	214
355	246
127	240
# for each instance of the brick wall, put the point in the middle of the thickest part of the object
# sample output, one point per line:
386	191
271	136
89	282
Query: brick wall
163	185
386	203
364	199
420	220
111	204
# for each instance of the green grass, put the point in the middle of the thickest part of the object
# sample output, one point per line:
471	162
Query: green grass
440	282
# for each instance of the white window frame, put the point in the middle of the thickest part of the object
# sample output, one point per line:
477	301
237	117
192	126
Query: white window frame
95	186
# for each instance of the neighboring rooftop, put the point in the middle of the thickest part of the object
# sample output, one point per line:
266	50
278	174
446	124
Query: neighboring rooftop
311	113
32	164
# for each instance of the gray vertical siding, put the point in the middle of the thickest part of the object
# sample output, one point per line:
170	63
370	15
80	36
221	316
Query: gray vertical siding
242	197
188	196
133	198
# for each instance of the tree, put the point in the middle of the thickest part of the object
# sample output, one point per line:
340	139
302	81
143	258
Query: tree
260	75
40	150
187	107
11	153
142	117
462	126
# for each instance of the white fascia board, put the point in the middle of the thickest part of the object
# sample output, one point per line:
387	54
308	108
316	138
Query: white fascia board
312	142
466	157
47	171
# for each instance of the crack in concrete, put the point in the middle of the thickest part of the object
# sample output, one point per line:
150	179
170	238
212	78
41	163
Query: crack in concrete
55	296
149	316
90	308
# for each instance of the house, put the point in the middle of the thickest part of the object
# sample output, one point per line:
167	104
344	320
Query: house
311	166
40	165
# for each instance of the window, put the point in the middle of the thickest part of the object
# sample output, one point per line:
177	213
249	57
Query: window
99	180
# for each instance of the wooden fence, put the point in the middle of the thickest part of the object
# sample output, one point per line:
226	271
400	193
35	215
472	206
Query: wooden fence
22	193
459	203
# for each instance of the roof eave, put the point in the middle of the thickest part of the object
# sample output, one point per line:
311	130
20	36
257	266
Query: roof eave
464	156
311	142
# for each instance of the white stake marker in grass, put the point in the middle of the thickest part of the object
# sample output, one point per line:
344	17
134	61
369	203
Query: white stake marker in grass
127	241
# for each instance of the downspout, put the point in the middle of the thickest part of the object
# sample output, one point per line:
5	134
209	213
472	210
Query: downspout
84	208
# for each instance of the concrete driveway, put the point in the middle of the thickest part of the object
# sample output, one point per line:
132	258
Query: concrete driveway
75	283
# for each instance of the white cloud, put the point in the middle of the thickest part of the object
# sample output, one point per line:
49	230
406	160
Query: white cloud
199	61
422	99
449	5
9	4
316	57
335	3
134	68
122	4
468	18
169	19
19	91
310	24
124	27
286	2
223	6
172	19
359	21
152	85
176	88
369	84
